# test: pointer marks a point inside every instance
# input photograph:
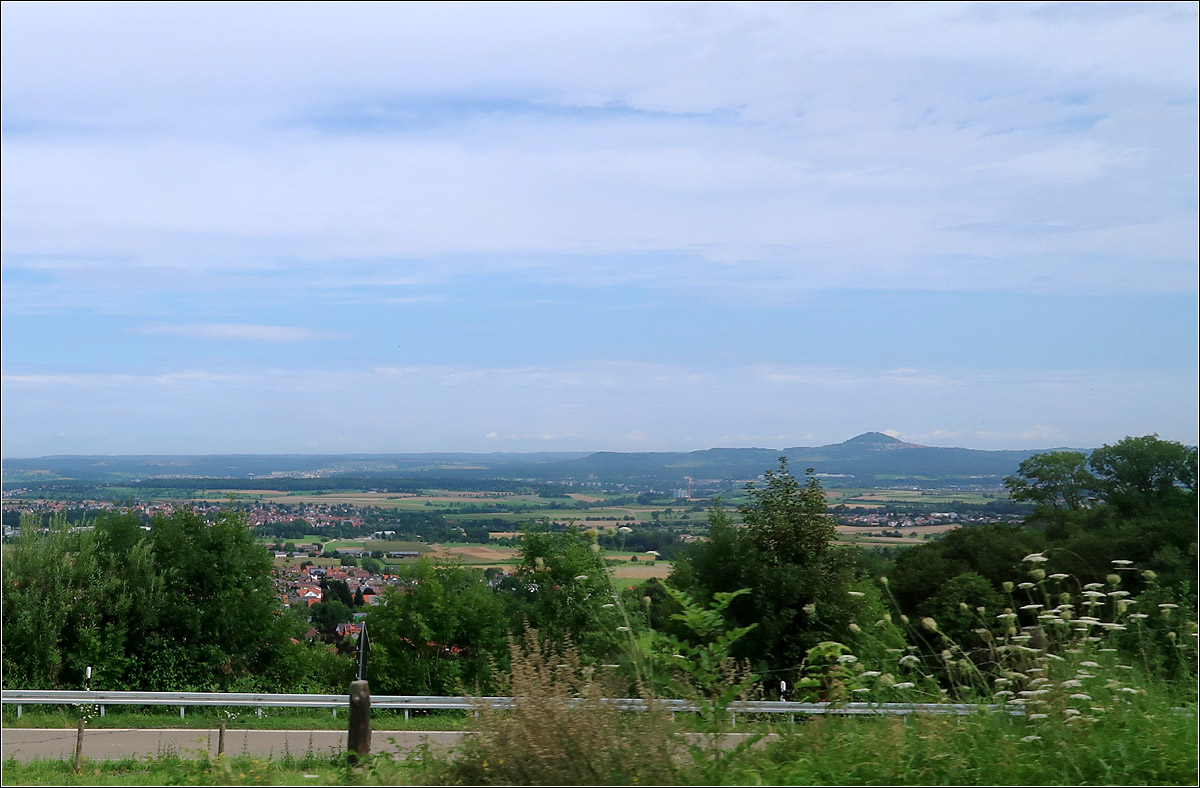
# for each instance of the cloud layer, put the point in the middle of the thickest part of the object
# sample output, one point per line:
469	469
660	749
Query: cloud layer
967	191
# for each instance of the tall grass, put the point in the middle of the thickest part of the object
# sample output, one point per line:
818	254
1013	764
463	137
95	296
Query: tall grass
1073	685
562	730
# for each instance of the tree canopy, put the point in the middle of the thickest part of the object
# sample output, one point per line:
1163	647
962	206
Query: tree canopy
188	604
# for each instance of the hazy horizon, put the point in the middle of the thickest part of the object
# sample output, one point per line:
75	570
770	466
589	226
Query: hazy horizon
402	452
370	228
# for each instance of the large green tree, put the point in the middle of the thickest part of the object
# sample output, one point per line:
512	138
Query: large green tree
801	587
1131	501
561	588
1057	479
444	633
188	605
1143	473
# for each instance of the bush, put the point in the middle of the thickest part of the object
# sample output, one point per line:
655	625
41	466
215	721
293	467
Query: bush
562	730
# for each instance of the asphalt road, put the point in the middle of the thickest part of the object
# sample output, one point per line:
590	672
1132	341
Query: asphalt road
26	744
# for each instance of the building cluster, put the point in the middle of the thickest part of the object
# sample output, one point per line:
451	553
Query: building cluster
894	520
299	586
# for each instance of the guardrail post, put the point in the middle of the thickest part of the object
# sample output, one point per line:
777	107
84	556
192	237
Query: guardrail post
181	708
18	711
221	739
260	712
358	736
79	744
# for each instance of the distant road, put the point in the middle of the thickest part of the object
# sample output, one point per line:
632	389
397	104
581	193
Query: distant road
25	744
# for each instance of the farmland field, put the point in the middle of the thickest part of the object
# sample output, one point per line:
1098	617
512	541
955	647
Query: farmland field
506	558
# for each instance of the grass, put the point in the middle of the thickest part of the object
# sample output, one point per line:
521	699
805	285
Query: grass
980	749
171	769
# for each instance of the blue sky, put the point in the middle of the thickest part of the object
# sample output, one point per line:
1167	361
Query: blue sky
404	227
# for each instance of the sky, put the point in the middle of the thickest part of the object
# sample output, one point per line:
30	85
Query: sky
328	228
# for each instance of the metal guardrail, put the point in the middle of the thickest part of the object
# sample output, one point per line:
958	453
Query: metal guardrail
409	703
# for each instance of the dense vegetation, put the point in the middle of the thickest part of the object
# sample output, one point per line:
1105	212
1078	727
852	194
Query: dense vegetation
1087	608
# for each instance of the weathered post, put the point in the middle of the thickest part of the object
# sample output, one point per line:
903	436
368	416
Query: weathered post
358	740
221	739
79	744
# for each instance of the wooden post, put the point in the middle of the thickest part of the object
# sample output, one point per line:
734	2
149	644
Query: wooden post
221	739
358	739
79	744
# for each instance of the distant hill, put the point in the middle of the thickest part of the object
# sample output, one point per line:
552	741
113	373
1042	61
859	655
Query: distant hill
871	459
868	460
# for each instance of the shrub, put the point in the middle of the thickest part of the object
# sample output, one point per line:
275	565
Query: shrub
562	730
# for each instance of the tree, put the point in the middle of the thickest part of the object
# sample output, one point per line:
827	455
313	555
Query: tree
218	616
187	606
326	615
561	588
799	584
1141	508
788	522
1138	473
443	635
1058	479
337	590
